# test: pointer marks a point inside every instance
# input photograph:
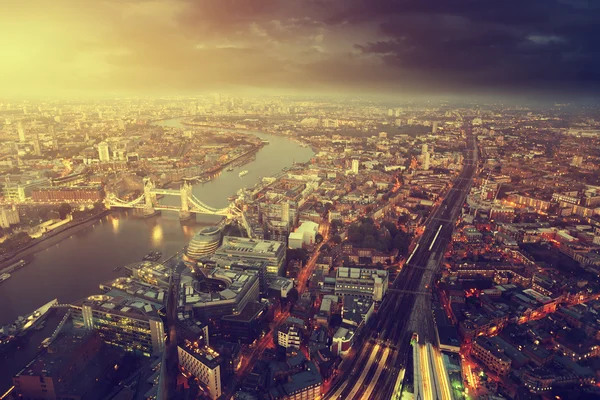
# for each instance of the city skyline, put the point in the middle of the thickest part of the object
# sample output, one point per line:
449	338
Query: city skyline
404	49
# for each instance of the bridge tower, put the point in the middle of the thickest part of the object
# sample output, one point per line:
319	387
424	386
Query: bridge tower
150	198
186	192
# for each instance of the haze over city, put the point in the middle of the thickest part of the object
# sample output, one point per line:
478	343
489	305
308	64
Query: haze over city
172	47
285	200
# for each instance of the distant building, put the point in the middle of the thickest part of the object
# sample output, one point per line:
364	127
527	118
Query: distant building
8	217
37	148
355	166
103	153
203	364
21	191
577	161
131	324
21	132
426	161
72	194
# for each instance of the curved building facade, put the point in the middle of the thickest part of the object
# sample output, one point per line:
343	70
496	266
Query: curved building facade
204	243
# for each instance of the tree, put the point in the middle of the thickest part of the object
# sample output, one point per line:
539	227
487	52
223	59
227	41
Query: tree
370	242
63	210
318	238
293	295
337	239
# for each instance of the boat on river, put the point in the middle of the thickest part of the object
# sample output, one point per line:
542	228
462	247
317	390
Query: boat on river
153	256
244	172
4	277
22	325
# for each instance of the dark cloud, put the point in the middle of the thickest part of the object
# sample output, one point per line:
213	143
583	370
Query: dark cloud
505	45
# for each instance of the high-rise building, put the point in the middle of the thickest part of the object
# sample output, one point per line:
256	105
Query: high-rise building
426	161
37	148
355	165
424	149
203	364
121	125
434	127
103	153
21	131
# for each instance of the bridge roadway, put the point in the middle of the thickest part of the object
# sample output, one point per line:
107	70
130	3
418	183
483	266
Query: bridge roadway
405	309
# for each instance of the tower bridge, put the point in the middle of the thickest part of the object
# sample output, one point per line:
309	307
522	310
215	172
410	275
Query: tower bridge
189	204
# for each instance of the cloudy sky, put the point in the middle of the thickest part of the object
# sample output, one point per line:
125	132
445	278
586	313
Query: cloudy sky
324	46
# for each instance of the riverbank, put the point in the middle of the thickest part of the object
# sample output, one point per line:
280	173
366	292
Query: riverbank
50	239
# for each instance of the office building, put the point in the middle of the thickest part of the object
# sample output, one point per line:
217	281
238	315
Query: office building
424	149
204	364
8	217
103	153
245	326
361	282
125	322
223	292
241	249
204	243
434	127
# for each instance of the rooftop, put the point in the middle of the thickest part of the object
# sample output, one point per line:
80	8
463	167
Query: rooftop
121	305
245	246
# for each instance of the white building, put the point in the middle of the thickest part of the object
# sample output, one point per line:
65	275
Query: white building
203	364
424	149
103	153
8	217
303	236
426	161
289	336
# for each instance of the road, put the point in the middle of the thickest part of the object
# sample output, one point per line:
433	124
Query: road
406	309
281	316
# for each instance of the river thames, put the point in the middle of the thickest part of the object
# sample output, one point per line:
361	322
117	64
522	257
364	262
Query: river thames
73	268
